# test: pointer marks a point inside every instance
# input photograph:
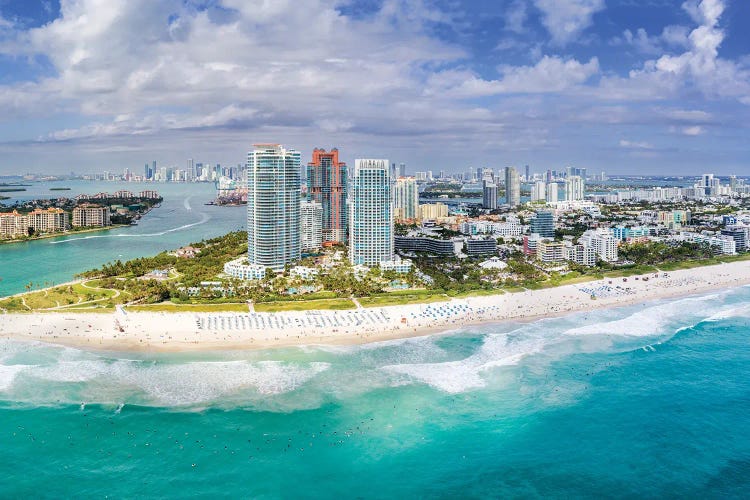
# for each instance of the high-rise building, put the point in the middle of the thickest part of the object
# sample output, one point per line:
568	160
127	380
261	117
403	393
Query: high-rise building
574	188
543	224
371	223
311	225
406	198
402	169
191	170
552	192
512	187
527	177
273	212
539	191
327	184
489	195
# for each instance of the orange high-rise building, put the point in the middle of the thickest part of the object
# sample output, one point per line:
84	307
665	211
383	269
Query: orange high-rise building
327	179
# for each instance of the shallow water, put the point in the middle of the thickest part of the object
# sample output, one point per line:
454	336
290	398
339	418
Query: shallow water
620	403
182	218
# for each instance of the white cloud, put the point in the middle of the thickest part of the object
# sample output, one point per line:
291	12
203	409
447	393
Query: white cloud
693	131
515	16
566	19
635	145
551	74
697	68
671	36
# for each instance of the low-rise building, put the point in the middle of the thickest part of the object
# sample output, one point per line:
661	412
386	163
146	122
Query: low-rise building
402	266
722	243
550	251
481	246
240	269
424	244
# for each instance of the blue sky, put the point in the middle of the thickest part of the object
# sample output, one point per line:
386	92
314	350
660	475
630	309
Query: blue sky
627	86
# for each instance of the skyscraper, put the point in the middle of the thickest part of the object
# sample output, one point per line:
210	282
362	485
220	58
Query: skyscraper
489	195
273	211
552	192
402	169
574	188
539	191
327	181
191	170
371	228
528	174
512	187
311	225
405	198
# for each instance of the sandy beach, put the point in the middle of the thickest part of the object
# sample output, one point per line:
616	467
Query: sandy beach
145	331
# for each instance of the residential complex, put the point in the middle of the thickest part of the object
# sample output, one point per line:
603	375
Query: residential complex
311	225
273	206
406	199
371	230
489	195
88	215
14	224
512	187
327	184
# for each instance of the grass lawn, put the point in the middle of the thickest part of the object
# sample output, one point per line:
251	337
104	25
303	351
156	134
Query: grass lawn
171	307
402	299
304	305
476	293
633	271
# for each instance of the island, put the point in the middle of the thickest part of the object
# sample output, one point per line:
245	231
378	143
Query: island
182	300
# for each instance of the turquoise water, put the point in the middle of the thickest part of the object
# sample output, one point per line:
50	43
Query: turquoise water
182	218
645	401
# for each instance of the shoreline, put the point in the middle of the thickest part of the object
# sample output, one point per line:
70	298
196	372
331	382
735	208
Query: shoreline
63	234
190	331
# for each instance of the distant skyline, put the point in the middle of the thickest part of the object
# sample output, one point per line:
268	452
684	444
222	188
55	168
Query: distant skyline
652	87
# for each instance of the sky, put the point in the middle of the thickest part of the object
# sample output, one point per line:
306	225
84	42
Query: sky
624	86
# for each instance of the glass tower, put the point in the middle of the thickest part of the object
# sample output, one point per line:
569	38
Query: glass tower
273	210
371	223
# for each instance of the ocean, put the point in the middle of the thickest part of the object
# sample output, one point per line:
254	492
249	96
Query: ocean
643	401
182	218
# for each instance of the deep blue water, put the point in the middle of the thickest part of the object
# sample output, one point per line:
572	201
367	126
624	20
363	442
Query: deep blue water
646	401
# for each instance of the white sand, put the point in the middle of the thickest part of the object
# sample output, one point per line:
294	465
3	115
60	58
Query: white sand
211	331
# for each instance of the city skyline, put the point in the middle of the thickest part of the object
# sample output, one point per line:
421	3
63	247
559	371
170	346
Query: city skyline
662	88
